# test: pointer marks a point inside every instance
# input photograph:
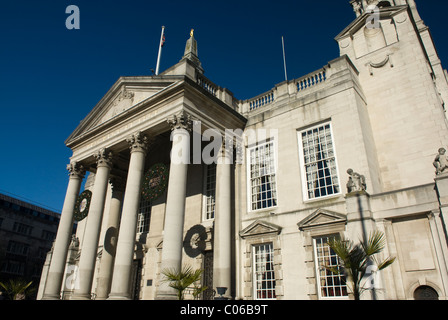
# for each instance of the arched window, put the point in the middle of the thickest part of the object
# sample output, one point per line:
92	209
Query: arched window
425	293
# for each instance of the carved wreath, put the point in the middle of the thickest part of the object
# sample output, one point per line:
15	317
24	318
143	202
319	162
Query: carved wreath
82	205
155	182
194	241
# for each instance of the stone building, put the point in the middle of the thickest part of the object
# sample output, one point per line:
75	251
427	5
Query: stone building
343	151
27	232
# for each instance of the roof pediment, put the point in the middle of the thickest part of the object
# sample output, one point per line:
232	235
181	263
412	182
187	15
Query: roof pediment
320	218
258	228
124	95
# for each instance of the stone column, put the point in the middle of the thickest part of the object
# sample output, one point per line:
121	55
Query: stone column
121	280
181	126
63	237
70	280
90	241
222	242
110	240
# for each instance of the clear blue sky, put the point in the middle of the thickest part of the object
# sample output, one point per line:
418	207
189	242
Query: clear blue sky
51	77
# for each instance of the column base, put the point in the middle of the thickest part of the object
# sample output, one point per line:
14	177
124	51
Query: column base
118	296
81	297
166	296
51	297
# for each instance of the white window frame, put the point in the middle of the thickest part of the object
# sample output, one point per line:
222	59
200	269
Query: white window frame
256	280
249	176
144	216
208	198
303	168
319	268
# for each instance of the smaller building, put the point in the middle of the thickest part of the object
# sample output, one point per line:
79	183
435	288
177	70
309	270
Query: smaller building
27	233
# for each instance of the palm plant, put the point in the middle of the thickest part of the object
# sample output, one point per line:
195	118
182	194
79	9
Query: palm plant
16	289
180	280
356	259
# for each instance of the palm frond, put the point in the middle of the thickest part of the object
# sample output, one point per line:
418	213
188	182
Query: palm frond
375	244
16	289
341	247
355	259
386	263
181	279
334	270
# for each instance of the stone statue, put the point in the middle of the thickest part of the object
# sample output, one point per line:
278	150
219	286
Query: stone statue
441	161
356	182
357	7
74	242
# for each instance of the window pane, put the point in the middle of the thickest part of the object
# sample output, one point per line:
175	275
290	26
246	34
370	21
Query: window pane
264	277
330	284
210	189
262	176
320	162
144	216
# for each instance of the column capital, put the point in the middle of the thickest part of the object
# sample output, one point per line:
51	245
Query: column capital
76	170
433	214
104	158
139	142
181	120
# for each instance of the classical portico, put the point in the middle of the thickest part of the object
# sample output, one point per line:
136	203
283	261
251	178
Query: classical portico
164	191
138	123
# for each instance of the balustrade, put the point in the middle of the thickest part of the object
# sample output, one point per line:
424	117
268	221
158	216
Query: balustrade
311	80
207	85
262	100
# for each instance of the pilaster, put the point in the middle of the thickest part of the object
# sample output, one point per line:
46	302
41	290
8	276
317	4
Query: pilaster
360	222
222	243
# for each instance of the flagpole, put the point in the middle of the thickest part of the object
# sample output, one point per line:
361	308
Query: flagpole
284	58
160	50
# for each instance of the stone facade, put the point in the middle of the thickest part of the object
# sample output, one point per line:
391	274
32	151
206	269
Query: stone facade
27	232
258	220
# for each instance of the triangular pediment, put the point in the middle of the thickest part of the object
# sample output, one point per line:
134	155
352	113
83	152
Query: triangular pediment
260	227
360	22
125	94
321	217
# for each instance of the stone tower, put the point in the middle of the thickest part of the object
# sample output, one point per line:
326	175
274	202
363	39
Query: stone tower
393	51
